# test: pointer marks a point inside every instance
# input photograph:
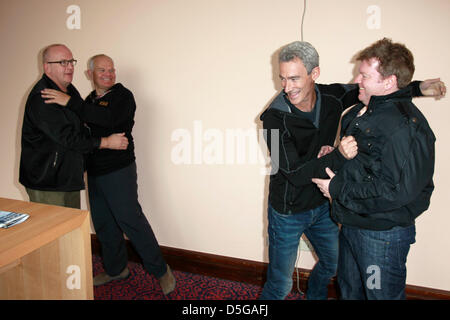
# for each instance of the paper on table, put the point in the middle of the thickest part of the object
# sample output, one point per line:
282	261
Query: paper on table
9	219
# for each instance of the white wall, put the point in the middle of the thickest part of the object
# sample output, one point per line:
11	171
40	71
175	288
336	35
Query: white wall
213	61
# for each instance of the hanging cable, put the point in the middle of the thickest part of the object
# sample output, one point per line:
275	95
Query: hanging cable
296	270
303	17
299	247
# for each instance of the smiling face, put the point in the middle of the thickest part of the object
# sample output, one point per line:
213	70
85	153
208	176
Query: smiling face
371	82
61	76
103	75
298	84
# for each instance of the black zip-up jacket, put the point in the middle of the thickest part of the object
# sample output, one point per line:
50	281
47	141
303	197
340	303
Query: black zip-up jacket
390	182
294	156
53	143
111	113
298	142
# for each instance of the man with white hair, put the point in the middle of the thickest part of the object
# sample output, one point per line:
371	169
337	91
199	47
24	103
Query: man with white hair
112	178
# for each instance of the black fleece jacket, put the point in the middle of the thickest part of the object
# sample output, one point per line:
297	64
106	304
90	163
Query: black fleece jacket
294	143
298	142
111	113
53	143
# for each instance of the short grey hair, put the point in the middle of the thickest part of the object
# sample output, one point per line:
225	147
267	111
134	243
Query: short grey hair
92	59
302	50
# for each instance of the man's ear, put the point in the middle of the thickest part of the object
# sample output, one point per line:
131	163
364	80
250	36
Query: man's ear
315	73
89	74
390	82
46	68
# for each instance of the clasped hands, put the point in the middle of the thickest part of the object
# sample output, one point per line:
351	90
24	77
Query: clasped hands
348	148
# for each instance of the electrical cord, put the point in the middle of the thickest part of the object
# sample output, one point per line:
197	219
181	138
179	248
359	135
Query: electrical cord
303	17
296	268
299	247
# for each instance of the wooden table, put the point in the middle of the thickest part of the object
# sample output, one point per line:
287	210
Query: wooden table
48	256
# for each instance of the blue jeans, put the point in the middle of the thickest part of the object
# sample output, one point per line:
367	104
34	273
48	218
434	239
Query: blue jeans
372	264
284	237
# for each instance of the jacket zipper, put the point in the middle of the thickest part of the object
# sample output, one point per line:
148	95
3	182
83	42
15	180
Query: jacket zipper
56	158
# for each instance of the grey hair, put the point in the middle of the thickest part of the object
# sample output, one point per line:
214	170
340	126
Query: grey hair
92	59
302	50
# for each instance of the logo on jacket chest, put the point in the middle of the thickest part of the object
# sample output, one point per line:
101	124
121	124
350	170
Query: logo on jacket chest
103	103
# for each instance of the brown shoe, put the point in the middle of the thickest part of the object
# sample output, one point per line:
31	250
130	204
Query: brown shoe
104	278
167	281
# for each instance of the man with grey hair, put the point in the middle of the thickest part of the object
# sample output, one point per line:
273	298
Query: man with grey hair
112	179
54	139
305	118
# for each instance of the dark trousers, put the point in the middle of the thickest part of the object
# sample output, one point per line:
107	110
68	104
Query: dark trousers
115	210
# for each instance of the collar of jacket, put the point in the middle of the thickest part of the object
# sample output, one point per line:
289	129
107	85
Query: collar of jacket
52	85
282	103
380	101
93	95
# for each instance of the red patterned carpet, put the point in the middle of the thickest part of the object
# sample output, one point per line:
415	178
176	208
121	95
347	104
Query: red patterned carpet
142	286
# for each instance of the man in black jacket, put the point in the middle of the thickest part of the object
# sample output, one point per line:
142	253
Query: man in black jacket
112	178
301	119
304	117
54	140
377	195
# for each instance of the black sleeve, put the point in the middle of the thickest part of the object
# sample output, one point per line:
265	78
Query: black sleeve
62	125
414	165
346	94
285	159
119	112
415	88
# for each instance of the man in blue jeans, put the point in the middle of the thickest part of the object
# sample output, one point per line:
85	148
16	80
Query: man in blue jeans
304	117
378	195
301	119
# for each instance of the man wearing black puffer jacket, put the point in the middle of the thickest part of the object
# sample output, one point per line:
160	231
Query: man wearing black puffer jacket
378	195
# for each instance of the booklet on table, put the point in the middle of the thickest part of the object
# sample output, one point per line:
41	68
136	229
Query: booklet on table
9	219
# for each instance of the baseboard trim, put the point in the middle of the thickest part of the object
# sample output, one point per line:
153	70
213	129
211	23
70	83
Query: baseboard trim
248	271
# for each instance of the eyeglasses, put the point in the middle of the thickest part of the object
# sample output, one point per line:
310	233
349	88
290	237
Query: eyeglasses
65	63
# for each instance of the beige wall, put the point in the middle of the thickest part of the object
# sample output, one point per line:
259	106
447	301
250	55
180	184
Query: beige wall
206	66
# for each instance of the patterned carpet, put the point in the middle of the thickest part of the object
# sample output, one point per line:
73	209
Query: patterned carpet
142	286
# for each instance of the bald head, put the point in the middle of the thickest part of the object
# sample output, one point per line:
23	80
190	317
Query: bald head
61	75
47	52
